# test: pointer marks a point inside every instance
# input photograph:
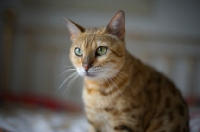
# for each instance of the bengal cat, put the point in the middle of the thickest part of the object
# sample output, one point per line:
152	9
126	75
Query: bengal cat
121	94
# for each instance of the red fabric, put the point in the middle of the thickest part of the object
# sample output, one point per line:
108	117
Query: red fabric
38	100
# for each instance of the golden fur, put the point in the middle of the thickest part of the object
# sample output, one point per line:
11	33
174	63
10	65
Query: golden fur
121	94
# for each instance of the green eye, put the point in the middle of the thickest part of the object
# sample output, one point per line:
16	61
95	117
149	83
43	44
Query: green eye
101	50
78	51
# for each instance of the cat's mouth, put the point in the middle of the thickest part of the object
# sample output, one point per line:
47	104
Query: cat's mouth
89	75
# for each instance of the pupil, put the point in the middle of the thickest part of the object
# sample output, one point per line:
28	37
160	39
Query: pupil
78	50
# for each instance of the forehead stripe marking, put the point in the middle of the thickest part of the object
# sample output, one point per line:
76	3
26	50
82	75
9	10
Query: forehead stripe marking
86	44
86	40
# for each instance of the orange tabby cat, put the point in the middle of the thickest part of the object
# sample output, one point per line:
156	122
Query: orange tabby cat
121	94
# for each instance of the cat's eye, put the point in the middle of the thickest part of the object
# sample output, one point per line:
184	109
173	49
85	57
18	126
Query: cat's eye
101	50
78	51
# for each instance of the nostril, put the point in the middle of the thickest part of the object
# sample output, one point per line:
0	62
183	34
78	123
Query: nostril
86	67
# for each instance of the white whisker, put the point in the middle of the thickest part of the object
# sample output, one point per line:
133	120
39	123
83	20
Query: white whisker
70	84
66	72
70	76
121	73
108	84
116	71
66	66
122	80
114	84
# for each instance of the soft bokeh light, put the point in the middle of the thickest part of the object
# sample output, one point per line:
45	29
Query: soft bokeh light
35	41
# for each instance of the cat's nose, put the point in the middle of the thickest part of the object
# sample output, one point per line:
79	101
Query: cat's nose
86	67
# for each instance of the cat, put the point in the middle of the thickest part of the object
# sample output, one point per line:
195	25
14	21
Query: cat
122	94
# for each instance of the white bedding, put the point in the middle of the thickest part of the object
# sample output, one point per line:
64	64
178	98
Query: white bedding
42	120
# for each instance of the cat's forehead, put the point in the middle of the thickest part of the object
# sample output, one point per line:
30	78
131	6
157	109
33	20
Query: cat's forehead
95	30
94	41
98	34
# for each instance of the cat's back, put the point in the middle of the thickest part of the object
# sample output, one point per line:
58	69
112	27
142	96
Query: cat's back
164	106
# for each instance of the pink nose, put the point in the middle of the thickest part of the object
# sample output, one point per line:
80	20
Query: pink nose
86	67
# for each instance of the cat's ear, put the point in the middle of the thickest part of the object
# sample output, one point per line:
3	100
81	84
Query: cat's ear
74	29
117	25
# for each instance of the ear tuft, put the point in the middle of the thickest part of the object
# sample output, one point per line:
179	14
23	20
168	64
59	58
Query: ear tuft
74	29
117	25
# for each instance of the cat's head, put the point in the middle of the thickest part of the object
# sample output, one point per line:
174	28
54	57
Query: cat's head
98	52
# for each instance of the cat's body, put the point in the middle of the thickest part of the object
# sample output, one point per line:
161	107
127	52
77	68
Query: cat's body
121	94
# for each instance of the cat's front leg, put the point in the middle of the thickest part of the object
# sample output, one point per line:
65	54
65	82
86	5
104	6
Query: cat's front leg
92	129
127	123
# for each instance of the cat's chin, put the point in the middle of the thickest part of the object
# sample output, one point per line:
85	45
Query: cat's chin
89	76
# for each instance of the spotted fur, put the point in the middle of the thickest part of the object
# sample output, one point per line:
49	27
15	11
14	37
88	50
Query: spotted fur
121	94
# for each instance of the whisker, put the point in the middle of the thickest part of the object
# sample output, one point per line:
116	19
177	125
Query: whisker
73	81
66	72
70	83
120	73
117	71
66	66
102	70
108	83
70	76
122	80
114	84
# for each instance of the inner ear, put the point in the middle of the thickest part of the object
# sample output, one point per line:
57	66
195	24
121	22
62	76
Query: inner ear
74	29
117	25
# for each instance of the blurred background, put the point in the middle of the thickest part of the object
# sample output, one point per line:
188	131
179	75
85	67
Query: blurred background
34	42
34	45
